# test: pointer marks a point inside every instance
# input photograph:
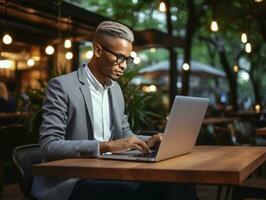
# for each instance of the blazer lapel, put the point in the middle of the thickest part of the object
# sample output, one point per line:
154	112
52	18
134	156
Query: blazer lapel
85	90
115	114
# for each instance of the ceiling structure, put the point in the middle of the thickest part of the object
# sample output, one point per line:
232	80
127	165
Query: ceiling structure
32	22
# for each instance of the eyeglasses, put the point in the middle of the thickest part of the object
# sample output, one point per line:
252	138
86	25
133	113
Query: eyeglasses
119	57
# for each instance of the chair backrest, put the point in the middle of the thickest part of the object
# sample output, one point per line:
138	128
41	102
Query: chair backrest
24	157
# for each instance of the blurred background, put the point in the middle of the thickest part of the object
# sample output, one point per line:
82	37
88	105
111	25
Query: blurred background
203	48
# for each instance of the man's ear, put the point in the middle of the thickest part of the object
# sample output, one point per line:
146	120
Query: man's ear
97	50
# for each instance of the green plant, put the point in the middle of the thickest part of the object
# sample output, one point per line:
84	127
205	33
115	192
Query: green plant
141	107
32	100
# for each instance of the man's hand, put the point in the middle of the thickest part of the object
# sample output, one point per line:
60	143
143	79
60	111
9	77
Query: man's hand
124	144
155	141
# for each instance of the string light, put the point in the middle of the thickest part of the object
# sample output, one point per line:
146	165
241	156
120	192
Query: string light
244	38
136	60
235	68
49	50
7	39
257	108
89	54
248	48
162	7
214	26
152	50
67	44
30	62
134	54
186	66
69	55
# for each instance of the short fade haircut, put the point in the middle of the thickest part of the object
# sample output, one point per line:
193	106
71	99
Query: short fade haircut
115	29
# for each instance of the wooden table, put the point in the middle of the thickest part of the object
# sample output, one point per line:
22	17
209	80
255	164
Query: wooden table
205	165
261	131
246	114
219	120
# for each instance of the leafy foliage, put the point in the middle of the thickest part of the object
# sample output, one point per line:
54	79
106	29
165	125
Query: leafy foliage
141	107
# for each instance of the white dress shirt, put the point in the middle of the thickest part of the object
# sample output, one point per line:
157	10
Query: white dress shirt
101	107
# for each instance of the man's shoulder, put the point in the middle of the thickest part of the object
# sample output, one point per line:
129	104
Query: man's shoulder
65	78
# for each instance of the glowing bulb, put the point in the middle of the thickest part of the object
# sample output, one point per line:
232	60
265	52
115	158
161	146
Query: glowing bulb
248	48
69	55
49	50
7	39
244	38
30	62
162	7
153	88
186	66
257	108
214	26
134	54
235	68
153	50
136	60
67	44
89	54
258	1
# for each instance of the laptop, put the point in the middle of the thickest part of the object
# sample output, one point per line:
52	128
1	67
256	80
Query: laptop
180	134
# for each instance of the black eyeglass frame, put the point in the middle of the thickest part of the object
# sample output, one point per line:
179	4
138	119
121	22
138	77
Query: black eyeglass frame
119	57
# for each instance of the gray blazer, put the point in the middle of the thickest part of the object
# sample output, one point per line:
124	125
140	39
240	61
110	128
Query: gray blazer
67	129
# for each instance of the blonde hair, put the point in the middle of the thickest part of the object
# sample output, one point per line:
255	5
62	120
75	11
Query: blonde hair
3	91
115	29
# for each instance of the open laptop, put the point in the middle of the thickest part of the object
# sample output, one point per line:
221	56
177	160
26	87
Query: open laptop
180	134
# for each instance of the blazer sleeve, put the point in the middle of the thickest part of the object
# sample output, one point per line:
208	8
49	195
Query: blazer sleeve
54	124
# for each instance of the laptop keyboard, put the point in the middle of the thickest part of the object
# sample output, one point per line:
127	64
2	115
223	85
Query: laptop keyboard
146	155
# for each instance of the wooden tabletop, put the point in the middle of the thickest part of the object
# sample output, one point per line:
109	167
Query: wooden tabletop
261	131
206	165
246	113
219	120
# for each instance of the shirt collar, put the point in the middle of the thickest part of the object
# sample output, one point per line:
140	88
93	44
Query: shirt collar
94	82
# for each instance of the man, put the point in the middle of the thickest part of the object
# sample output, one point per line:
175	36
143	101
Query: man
83	116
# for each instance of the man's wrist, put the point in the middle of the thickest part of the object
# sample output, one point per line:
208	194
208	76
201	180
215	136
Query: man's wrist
104	147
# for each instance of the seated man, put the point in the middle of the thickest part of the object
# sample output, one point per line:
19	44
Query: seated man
83	116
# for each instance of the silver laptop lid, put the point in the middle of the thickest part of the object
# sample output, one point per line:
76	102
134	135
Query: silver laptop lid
183	126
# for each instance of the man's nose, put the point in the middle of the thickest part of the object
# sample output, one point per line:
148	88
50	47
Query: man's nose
123	65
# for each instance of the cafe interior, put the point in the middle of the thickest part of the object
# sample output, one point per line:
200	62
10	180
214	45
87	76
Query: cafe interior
44	39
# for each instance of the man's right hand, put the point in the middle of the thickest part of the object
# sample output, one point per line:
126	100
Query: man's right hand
124	144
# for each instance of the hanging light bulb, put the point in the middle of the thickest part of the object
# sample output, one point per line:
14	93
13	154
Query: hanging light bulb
67	44
244	38
248	48
89	54
49	50
136	60
162	7
258	1
133	54
236	68
214	26
7	39
186	66
152	50
30	62
69	55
